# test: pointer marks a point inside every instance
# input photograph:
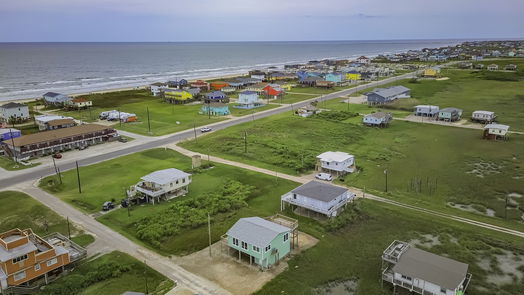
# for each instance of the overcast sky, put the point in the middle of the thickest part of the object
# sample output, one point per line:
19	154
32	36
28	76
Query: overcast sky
257	20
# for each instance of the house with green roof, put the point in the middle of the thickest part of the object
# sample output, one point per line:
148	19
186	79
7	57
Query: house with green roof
264	242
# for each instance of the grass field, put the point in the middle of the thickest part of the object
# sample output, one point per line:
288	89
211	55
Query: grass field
471	90
110	274
353	254
10	165
164	118
242	112
99	187
449	165
19	210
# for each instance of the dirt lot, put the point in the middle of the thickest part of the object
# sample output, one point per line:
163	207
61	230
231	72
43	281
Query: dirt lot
237	277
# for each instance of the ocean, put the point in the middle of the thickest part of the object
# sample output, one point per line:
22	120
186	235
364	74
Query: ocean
28	70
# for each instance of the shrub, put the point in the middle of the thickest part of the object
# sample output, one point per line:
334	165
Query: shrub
335	116
350	214
192	213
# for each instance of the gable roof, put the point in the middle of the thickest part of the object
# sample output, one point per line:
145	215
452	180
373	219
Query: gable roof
216	94
319	191
12	105
256	231
443	271
334	156
450	110
59	122
379	115
52	94
165	176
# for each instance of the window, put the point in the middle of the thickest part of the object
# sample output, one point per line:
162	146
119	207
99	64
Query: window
19	258
37	267
256	249
19	276
268	247
286	237
294	196
442	290
183	180
406	278
177	181
235	241
52	261
244	245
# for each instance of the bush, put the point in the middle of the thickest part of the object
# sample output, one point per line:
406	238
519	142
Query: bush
350	214
192	213
335	116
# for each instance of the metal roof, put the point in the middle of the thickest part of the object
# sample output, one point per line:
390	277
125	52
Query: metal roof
442	271
379	115
450	110
334	156
248	92
57	134
165	176
497	126
390	91
319	191
256	231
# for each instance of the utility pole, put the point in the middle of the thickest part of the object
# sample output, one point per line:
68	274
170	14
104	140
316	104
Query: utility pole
145	277
209	231
245	141
13	144
209	109
194	129
68	228
386	173
148	121
78	177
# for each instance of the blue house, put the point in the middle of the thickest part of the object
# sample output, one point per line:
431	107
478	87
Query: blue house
334	77
8	133
215	109
385	95
248	100
216	96
177	83
53	98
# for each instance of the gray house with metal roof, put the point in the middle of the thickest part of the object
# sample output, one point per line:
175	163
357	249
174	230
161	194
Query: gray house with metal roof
162	184
263	241
319	197
423	272
386	95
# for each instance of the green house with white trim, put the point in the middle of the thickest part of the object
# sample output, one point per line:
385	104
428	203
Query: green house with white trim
265	243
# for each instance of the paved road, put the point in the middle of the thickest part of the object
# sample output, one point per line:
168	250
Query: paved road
357	191
108	240
31	174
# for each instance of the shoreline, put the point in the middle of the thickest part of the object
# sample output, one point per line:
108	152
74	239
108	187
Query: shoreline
240	71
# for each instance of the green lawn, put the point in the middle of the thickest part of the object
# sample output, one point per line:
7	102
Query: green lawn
164	118
99	185
354	252
19	210
472	90
428	165
242	112
10	165
110	274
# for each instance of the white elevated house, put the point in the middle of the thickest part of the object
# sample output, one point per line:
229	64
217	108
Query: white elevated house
423	272
338	163
426	110
380	119
495	131
319	197
157	88
483	116
162	184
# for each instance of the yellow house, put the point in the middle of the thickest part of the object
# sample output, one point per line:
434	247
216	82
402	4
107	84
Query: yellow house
287	86
177	96
353	76
431	72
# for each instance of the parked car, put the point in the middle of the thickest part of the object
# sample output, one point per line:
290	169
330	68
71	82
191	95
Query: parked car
122	139
108	206
124	203
324	176
57	156
205	129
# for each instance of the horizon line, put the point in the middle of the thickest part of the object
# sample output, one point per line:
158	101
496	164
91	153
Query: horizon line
282	41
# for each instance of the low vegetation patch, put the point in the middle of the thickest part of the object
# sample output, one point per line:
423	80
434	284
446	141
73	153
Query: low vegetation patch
192	213
335	116
113	273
